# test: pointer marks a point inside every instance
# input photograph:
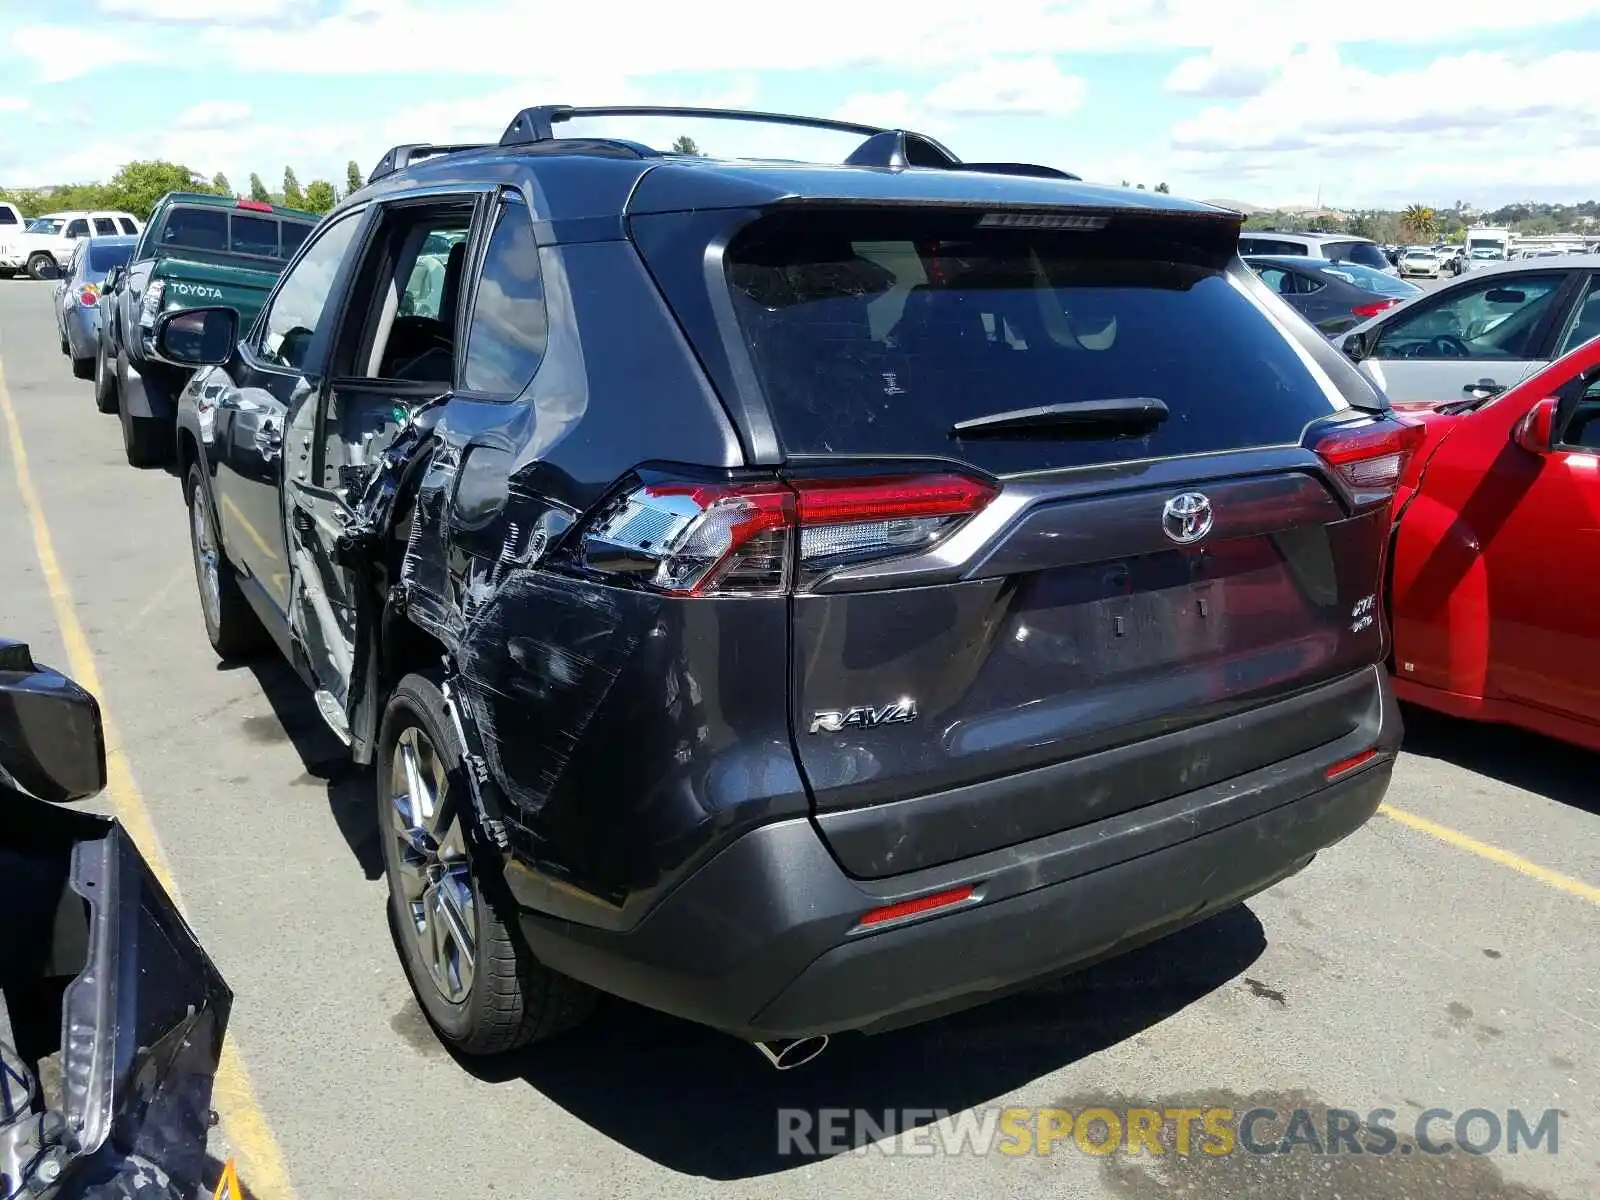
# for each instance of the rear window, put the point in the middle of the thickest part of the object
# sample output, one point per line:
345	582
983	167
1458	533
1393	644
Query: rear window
871	339
223	232
1371	279
1366	253
103	257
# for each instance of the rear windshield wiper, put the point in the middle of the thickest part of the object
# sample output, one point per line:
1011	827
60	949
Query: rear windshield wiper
1110	415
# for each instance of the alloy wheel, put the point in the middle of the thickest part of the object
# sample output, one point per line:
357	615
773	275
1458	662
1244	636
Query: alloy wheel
435	901
205	559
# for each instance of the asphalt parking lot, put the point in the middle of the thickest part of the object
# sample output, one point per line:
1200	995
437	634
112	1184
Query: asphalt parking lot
1443	957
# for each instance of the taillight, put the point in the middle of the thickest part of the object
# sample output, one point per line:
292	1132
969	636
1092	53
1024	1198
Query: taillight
1371	457
1376	307
89	296
699	539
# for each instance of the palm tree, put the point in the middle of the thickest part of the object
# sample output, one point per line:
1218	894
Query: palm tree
1420	220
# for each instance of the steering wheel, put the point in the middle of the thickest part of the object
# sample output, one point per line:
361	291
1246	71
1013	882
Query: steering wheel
1448	346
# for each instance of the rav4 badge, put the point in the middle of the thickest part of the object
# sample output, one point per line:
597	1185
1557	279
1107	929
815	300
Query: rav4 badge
863	716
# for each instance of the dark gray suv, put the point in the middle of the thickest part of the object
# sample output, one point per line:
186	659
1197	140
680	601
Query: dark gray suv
799	598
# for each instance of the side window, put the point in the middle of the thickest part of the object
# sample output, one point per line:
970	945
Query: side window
290	323
105	227
77	259
128	226
1584	323
423	293
1492	318
509	331
8	215
78	228
1580	428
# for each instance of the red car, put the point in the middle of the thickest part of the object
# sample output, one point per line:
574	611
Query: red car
1495	596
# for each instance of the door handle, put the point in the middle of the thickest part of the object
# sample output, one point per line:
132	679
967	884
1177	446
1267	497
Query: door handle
1484	387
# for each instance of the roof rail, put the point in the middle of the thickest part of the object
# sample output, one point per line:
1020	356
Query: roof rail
537	124
402	156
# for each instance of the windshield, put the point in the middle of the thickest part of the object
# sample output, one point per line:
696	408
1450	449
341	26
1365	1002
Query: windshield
1481	248
44	225
102	257
870	338
1373	281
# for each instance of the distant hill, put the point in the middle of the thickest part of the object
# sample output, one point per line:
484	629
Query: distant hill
1238	206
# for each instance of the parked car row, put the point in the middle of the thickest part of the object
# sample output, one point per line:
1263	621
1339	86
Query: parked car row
44	246
197	249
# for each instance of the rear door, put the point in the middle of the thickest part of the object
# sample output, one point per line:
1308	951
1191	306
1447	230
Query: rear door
1492	329
1109	588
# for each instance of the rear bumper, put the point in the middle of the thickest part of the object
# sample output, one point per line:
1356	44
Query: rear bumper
763	941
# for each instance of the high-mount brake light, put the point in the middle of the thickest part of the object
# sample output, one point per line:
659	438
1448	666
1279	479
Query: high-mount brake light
1371	458
252	205
746	539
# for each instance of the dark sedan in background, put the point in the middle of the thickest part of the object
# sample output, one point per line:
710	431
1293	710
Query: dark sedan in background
77	296
1333	296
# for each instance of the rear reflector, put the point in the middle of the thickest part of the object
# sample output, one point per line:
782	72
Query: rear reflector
1345	766
922	904
699	539
1371	457
1376	307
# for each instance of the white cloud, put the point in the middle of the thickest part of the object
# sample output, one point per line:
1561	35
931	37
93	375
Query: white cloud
408	35
1030	87
207	11
62	52
15	104
213	114
1226	72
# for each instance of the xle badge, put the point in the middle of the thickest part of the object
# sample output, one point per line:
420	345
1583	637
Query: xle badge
863	716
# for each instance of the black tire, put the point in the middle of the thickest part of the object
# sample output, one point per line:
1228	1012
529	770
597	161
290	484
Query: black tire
41	266
232	627
66	348
147	441
105	394
514	999
83	368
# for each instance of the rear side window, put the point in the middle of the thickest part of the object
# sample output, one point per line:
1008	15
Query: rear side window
506	340
8	216
294	232
254	235
867	341
1365	253
127	225
1261	245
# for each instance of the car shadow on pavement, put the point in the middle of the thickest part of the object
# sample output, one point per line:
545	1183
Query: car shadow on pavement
706	1104
1555	770
326	760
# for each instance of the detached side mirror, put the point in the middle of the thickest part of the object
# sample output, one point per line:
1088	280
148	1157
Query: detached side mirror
197	337
52	744
1535	432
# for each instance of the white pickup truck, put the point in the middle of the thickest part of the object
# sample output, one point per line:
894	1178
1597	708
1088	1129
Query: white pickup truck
43	245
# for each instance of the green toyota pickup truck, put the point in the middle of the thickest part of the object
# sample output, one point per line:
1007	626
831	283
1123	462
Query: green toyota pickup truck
196	251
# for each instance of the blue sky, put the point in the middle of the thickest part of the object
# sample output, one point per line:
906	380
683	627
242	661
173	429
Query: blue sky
1265	101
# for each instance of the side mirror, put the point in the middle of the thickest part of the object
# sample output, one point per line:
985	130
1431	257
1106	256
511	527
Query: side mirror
1356	347
197	337
52	744
110	281
1535	432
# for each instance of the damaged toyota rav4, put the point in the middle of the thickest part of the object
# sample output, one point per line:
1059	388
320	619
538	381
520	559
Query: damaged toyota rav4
798	598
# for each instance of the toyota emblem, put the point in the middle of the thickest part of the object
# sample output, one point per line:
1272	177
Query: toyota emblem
1186	518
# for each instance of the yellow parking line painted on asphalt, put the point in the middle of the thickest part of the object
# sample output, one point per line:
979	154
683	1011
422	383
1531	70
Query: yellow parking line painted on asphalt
1454	837
259	1159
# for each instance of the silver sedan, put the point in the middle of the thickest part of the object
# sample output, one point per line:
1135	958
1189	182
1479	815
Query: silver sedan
77	298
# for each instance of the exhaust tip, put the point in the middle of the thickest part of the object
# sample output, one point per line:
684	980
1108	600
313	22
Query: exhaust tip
788	1053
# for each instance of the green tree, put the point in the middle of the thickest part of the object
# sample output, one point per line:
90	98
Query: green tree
353	182
137	186
292	195
1163	189
685	145
1420	221
220	183
258	190
320	196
